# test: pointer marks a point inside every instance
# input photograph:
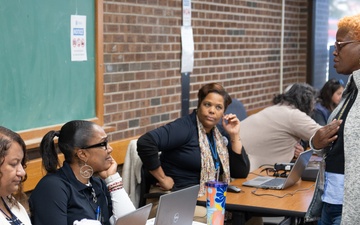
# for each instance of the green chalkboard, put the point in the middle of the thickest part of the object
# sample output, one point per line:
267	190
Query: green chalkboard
40	86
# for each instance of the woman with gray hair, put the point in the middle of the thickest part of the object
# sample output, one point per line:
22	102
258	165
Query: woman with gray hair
273	134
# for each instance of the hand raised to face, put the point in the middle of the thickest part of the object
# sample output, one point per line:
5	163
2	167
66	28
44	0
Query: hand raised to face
231	124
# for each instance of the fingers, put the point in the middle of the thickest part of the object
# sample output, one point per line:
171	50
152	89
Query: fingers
298	149
332	128
166	184
326	135
230	118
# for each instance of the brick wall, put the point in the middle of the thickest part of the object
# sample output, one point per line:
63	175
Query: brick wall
237	43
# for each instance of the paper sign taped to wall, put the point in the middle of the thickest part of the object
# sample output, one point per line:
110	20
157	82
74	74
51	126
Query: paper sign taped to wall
187	43
78	38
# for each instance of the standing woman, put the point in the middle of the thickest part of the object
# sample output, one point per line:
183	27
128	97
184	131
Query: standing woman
12	174
72	192
329	97
336	198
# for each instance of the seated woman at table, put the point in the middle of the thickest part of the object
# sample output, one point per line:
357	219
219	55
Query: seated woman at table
192	147
12	174
329	97
72	192
273	134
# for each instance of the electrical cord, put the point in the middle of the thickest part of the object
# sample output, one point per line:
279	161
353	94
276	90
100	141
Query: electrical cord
259	174
282	196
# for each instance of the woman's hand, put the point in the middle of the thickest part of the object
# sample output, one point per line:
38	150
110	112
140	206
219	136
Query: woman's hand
164	182
298	149
112	169
326	135
232	126
167	183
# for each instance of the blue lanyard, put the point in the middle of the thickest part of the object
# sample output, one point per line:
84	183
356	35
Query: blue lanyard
212	144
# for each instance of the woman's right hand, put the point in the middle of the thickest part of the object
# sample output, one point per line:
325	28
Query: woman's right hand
164	182
167	183
326	135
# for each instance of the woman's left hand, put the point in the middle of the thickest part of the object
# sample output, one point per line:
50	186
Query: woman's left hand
232	126
112	169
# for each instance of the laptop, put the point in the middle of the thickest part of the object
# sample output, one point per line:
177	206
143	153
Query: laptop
279	182
137	217
176	208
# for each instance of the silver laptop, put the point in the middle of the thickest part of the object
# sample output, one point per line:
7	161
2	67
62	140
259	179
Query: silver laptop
279	182
176	208
137	217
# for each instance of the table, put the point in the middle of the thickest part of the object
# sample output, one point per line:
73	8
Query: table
294	206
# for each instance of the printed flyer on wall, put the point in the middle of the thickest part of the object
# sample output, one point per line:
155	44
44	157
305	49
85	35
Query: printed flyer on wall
78	38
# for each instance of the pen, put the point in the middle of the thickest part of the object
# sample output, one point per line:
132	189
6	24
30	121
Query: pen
98	217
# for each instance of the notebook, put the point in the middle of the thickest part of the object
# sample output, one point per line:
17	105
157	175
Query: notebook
137	217
176	208
279	182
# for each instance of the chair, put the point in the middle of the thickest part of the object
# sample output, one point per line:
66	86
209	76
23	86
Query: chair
236	107
137	180
147	182
131	172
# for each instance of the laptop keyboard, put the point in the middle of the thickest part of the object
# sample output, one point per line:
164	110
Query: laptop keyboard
274	182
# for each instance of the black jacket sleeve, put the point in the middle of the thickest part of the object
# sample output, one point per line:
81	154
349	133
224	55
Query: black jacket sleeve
148	151
239	164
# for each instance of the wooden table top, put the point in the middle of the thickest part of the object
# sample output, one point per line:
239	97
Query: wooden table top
293	201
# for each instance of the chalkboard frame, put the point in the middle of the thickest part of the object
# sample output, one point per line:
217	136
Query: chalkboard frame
32	137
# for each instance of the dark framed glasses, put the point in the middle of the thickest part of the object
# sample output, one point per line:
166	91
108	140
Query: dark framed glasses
340	44
103	145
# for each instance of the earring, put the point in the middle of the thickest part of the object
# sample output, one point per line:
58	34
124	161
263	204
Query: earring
86	171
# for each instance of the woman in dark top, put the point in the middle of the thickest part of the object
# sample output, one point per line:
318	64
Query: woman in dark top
193	148
72	193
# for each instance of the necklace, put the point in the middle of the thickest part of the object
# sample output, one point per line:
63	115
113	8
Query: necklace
12	219
345	105
93	204
94	198
93	193
339	116
3	212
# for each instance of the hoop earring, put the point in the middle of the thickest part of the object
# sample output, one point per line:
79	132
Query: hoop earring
86	171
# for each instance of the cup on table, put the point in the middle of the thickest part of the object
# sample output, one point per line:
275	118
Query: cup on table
215	202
